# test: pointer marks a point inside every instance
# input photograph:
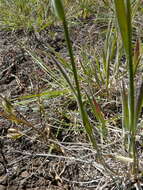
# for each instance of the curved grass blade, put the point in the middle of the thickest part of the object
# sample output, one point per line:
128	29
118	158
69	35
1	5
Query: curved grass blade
122	21
44	95
123	12
57	4
99	115
43	66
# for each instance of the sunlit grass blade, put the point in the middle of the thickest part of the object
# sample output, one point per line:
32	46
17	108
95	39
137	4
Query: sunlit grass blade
61	68
43	65
57	4
98	73
125	108
136	57
44	95
99	115
51	51
139	102
125	117
123	12
121	15
109	49
118	56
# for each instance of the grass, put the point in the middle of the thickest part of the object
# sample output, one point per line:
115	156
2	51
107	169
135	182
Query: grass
96	76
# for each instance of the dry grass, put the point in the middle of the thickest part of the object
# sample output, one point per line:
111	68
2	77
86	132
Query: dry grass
59	145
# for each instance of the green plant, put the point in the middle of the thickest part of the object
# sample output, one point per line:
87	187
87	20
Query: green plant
91	78
18	14
59	11
131	103
123	14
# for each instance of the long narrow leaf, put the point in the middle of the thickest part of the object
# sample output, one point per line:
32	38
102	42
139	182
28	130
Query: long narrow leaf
139	102
122	20
99	115
61	68
125	111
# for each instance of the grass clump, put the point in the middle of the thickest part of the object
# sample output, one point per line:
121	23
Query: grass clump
27	15
123	15
97	78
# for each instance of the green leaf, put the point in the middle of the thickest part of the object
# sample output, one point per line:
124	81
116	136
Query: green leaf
136	58
122	17
125	111
139	102
44	95
58	9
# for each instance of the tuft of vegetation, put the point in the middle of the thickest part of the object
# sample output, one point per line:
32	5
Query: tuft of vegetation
99	75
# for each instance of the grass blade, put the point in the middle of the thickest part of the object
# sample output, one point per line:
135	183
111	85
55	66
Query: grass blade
136	58
99	115
139	102
123	12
